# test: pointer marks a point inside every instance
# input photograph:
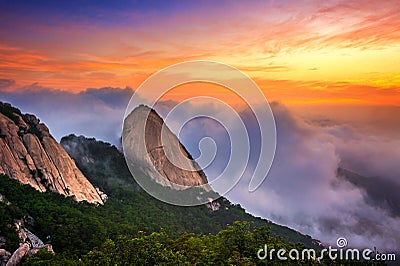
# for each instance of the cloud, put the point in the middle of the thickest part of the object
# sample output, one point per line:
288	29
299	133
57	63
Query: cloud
92	112
6	83
112	97
304	189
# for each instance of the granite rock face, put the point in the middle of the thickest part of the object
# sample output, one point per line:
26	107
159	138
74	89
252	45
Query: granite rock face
163	157
32	156
18	255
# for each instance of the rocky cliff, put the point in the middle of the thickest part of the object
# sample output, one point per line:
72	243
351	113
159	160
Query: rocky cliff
162	155
32	156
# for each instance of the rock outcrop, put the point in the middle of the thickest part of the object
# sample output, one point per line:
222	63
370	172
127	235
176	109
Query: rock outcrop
30	244
162	154
32	156
18	255
4	257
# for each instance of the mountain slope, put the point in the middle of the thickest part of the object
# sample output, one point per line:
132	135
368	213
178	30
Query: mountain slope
104	165
112	234
32	156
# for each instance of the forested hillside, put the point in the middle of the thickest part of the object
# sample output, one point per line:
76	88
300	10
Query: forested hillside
133	228
83	234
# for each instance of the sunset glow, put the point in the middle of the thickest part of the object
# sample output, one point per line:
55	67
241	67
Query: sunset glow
298	52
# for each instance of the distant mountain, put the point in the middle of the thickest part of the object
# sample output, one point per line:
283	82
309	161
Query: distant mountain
32	156
384	194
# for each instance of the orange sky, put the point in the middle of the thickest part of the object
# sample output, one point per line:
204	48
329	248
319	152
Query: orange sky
298	52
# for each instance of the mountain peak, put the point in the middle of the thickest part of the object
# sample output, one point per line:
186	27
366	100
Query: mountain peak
32	156
162	148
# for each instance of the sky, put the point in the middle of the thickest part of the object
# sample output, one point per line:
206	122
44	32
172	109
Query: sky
299	52
330	69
